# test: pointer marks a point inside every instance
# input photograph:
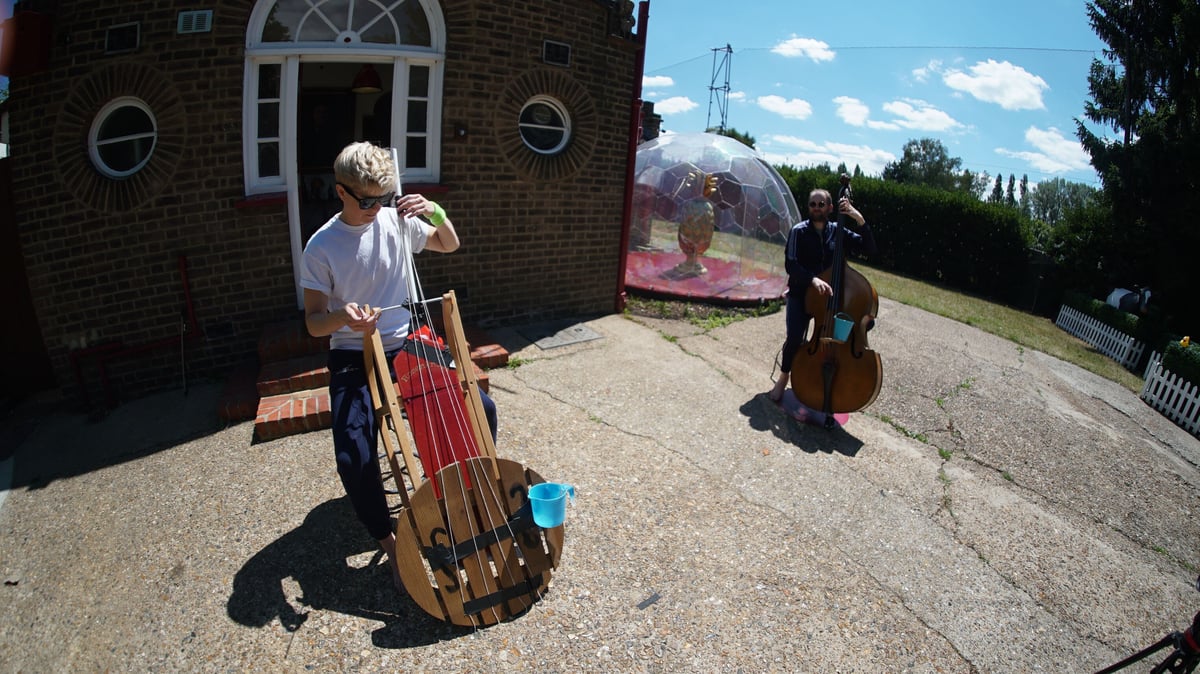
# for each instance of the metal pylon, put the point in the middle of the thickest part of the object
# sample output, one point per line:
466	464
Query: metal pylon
720	93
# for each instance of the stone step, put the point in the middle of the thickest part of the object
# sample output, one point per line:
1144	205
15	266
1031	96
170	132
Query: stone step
305	410
294	374
285	392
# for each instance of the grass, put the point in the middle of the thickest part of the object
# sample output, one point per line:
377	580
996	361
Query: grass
1025	330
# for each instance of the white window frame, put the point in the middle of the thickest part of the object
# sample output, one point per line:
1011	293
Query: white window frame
98	121
256	183
291	54
557	105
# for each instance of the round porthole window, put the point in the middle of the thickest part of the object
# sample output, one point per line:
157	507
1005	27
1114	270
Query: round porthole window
544	124
122	137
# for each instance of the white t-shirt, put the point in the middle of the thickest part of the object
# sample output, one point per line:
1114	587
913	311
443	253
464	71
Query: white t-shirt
365	265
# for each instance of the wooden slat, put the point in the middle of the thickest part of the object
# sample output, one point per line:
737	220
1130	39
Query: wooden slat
416	576
540	547
492	513
387	408
481	582
466	374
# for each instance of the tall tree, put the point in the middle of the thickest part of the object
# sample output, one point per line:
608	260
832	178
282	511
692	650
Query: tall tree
1024	199
997	196
1147	90
1010	196
975	184
743	138
1053	199
925	161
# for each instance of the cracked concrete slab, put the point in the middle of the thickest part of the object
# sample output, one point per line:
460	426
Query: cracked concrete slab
995	510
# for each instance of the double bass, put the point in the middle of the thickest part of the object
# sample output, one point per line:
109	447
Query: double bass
836	371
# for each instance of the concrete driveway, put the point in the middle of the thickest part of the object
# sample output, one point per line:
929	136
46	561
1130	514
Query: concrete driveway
995	510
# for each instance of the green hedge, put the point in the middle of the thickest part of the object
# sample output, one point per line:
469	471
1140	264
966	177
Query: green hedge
949	238
1183	361
1104	312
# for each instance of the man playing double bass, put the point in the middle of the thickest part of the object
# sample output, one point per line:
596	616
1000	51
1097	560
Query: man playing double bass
810	250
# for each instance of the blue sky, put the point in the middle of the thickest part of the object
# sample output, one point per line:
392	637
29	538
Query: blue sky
999	84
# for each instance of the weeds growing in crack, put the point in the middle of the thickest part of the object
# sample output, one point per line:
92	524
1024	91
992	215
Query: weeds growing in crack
947	501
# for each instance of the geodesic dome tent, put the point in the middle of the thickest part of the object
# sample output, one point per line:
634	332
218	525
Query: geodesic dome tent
710	219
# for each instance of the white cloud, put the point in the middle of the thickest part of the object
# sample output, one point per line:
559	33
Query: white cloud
801	152
1053	152
920	116
923	74
737	95
852	111
856	113
815	50
657	81
674	104
1009	86
909	114
793	108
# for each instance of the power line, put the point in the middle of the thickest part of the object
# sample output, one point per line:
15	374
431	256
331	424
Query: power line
1066	50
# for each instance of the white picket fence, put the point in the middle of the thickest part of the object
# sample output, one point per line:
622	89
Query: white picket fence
1111	342
1177	399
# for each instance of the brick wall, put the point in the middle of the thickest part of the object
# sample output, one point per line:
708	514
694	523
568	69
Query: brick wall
541	235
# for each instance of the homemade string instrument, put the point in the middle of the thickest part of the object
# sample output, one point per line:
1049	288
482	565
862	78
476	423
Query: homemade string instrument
467	547
835	372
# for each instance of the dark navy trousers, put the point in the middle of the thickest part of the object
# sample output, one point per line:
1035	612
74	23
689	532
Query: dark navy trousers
797	319
356	442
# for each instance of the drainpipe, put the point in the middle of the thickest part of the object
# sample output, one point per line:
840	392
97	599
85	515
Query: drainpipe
635	127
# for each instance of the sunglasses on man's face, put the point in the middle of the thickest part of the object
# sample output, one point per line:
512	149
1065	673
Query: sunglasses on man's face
367	203
816	204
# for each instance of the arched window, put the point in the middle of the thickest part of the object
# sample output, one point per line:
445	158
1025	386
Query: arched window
406	38
122	137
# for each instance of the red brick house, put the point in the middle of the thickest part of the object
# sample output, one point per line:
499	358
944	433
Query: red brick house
168	165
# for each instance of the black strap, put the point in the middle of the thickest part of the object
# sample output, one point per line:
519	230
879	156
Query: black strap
442	557
521	589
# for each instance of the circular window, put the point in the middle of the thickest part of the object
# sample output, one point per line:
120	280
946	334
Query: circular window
122	137
544	124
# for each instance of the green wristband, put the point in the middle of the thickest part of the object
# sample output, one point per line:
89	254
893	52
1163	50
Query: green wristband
438	216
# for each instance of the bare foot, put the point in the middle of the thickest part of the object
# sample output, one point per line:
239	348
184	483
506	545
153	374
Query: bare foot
776	393
389	555
396	576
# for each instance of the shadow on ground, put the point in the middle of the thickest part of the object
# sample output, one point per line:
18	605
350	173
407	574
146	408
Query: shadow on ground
45	441
315	556
764	415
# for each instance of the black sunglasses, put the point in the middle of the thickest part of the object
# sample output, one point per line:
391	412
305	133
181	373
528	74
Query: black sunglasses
816	204
369	202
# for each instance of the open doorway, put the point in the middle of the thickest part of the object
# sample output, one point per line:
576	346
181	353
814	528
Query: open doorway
339	103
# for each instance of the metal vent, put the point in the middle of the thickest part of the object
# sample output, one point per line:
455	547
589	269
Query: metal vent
123	38
199	21
556	53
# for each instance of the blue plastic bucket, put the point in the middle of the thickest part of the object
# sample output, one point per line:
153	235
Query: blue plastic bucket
549	503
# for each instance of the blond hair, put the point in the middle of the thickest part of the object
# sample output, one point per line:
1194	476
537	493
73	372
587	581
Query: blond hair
364	166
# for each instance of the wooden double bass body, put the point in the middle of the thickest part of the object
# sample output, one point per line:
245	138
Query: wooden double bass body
839	375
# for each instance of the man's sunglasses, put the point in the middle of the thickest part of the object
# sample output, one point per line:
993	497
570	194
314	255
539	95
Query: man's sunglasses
816	204
366	203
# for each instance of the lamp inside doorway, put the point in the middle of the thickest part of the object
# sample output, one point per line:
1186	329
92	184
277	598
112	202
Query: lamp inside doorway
367	81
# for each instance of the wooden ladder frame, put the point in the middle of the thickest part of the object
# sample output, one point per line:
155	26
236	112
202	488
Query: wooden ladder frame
505	567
